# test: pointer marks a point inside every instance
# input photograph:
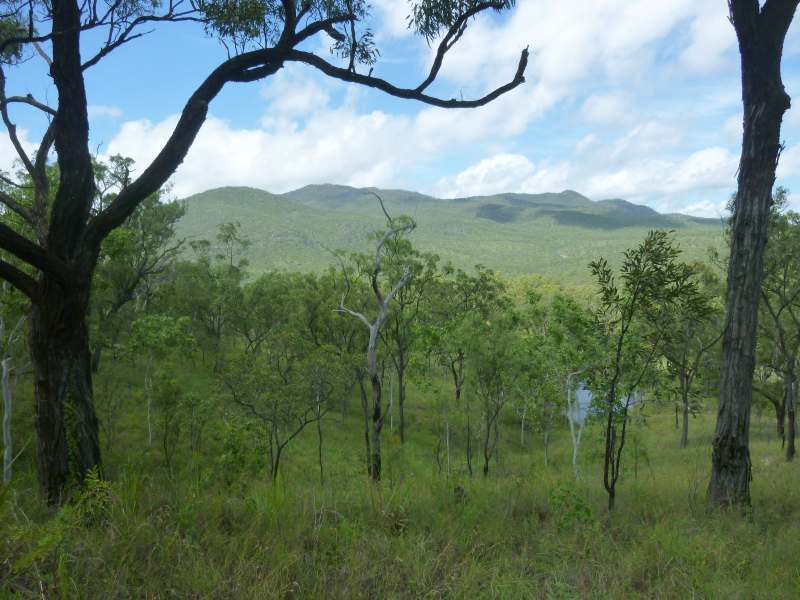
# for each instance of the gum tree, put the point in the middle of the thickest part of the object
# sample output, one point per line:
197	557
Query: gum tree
57	261
761	28
632	317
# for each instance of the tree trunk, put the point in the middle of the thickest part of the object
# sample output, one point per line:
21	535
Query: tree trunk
8	446
780	421
365	411
66	423
377	425
319	441
760	33
788	392
685	409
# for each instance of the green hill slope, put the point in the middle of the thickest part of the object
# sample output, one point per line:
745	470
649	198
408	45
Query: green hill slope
553	235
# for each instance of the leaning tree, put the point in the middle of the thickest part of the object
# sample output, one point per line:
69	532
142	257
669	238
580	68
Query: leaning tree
52	260
761	28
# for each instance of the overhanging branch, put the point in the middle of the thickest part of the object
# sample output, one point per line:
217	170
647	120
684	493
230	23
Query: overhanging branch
408	93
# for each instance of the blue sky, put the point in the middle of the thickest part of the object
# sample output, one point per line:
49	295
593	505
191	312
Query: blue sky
638	100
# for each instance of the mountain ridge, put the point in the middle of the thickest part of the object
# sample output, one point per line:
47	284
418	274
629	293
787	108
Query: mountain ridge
553	234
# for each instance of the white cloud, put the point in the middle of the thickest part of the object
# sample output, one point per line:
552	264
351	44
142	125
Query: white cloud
102	110
649	179
585	143
708	169
329	144
733	128
505	173
392	16
9	159
292	92
789	163
604	108
707	209
500	173
712	36
645	139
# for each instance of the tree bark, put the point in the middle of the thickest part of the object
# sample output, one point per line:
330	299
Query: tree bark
760	33
685	410
365	412
377	426
789	392
66	423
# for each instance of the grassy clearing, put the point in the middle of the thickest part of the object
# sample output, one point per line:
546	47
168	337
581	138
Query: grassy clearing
217	529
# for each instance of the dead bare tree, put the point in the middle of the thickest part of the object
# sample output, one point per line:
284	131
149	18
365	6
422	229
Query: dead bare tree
395	228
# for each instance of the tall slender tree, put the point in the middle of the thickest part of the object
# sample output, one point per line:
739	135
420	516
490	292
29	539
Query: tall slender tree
761	28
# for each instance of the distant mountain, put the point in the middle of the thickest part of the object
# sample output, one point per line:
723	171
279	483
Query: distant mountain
554	234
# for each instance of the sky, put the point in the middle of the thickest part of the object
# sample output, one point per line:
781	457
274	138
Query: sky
635	100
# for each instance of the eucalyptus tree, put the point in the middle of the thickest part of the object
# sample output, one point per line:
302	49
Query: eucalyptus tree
131	261
154	338
384	293
538	386
694	330
61	253
632	317
574	336
761	27
402	324
780	323
209	288
283	384
496	364
453	303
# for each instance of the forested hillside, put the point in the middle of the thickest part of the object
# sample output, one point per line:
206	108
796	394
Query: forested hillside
342	392
553	235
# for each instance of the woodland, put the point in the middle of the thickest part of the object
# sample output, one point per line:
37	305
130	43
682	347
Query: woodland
181	423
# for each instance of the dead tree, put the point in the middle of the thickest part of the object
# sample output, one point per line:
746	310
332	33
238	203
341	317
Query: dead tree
395	228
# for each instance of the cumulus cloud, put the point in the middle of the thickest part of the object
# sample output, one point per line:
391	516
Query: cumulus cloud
789	164
102	110
9	159
709	169
597	61
707	209
335	144
712	36
604	108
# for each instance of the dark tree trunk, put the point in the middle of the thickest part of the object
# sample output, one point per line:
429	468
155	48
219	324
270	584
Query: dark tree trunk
377	425
66	423
760	32
789	401
685	410
365	411
780	420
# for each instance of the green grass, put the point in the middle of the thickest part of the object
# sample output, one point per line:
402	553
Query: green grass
218	529
553	235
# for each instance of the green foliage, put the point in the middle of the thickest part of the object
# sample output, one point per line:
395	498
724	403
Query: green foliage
295	229
571	509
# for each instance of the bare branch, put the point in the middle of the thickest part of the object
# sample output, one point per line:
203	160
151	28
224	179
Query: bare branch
408	93
30	100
